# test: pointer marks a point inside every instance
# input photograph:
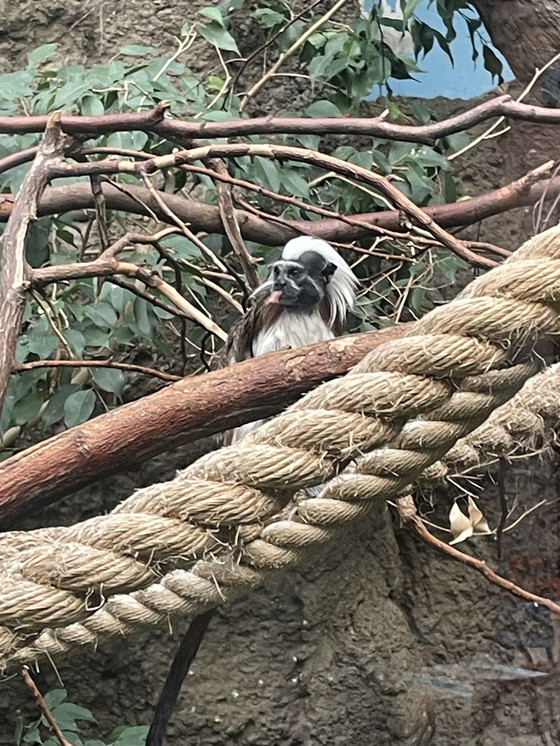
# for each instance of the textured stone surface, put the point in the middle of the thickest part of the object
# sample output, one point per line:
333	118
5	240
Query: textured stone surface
381	641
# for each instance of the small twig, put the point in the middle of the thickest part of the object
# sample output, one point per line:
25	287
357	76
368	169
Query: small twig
305	155
231	225
270	41
41	704
180	224
300	41
58	332
146	296
487	134
295	202
503	506
106	265
409	516
20	367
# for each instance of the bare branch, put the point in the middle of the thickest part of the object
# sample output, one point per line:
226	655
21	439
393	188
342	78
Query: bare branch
410	518
16	272
20	367
107	265
185	411
178	131
231	224
42	705
329	162
207	218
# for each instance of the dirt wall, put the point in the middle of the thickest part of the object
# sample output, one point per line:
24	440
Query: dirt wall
378	641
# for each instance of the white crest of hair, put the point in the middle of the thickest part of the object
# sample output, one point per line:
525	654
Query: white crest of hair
341	288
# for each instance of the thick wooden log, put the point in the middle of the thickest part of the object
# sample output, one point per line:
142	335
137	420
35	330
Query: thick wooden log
185	411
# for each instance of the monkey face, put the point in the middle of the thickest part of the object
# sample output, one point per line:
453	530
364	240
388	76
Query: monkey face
300	284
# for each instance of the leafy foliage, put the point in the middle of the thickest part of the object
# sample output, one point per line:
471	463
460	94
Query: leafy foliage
69	718
340	63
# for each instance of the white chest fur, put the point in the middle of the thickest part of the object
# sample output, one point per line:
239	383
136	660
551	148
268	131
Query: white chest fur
292	329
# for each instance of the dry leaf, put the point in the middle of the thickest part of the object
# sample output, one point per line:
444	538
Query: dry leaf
463	526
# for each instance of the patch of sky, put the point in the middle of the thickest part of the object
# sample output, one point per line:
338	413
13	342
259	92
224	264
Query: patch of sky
464	78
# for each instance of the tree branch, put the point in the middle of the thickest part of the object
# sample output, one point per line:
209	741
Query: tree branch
42	705
16	272
352	171
177	130
185	411
411	519
107	265
20	367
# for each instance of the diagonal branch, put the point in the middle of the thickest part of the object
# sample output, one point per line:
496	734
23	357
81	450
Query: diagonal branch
16	273
185	411
353	171
410	518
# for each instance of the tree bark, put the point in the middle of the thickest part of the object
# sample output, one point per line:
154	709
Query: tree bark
526	32
185	411
202	217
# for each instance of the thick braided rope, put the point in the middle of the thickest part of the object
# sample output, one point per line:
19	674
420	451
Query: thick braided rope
304	446
520	422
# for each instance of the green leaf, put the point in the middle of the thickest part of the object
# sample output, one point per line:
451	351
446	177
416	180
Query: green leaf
322	108
295	184
492	63
78	407
137	50
15	85
54	411
95	337
40	343
55	697
20	728
215	14
37	245
109	379
102	315
76	340
409	9
32	735
217	35
269	18
71	711
143	318
92	106
267	173
27	408
134	735
42	53
182	247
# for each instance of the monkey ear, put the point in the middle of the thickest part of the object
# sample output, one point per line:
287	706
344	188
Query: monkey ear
329	271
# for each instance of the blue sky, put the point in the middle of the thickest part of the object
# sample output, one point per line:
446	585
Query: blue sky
463	79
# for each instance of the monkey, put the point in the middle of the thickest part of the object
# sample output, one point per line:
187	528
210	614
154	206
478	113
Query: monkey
305	299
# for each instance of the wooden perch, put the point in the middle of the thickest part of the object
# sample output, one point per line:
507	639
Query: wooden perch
185	411
202	217
176	130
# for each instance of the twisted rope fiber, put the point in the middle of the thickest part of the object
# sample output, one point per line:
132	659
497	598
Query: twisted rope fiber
521	421
306	445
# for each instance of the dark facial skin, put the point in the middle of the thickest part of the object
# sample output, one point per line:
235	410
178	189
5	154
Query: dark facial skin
301	284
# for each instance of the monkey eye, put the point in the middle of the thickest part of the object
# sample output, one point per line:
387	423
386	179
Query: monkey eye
276	271
295	273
